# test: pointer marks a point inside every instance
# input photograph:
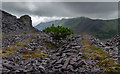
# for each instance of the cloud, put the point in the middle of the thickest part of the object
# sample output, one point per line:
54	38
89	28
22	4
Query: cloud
38	19
55	10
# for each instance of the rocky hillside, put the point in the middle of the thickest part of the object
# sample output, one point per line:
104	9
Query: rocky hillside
12	24
82	25
38	53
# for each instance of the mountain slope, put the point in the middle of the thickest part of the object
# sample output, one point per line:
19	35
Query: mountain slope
82	25
43	25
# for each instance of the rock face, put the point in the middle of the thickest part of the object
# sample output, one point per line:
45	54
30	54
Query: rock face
10	23
26	20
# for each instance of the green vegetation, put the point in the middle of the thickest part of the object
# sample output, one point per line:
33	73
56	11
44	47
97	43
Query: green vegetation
24	24
105	35
91	52
26	53
25	33
27	45
32	54
102	29
11	50
21	33
58	32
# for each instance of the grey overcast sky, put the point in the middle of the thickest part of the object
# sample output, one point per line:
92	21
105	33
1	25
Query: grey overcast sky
48	11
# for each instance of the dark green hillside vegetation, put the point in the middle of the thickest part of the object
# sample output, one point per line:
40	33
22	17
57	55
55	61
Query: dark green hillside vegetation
102	29
58	32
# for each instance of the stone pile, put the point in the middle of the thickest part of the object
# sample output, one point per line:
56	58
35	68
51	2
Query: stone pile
67	59
13	39
96	42
112	44
38	43
114	41
17	64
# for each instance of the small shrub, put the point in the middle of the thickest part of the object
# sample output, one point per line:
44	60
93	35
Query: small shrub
58	32
27	45
83	56
116	68
24	24
25	32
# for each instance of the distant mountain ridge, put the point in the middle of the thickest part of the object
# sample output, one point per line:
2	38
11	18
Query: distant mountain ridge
43	25
82	25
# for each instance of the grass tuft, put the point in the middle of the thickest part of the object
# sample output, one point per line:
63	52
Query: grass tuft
91	52
11	50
